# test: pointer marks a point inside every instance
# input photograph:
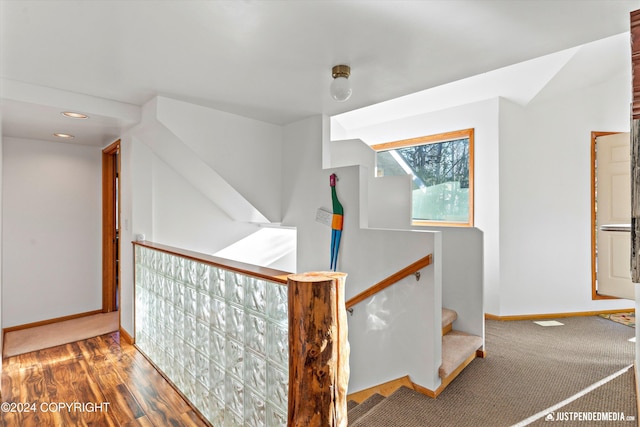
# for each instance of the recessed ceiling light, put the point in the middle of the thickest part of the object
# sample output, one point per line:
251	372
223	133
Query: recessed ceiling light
63	135
74	115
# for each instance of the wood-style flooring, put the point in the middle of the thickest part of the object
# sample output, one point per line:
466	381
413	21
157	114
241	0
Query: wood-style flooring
89	372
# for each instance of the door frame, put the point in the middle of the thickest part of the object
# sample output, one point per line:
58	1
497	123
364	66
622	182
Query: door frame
594	254
110	240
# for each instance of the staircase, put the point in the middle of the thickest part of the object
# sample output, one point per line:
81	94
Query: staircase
369	412
458	350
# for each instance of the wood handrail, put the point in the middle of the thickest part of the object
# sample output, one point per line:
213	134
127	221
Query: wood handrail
277	276
395	277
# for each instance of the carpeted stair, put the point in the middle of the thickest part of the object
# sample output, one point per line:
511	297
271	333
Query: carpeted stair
383	411
458	348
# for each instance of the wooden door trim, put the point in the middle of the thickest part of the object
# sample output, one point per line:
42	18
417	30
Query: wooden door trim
110	166
594	258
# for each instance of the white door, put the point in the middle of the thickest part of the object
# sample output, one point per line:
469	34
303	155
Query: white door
613	216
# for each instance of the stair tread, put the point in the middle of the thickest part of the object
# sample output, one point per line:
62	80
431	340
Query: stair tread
387	409
457	346
364	407
448	316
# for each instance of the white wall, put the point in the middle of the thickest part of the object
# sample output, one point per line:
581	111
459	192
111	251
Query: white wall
386	342
51	257
532	190
545	200
483	118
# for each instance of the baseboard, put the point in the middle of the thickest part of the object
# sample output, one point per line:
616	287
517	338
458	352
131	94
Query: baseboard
490	316
124	336
50	321
384	389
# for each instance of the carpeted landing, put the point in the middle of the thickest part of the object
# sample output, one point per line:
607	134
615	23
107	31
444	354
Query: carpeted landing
37	338
530	371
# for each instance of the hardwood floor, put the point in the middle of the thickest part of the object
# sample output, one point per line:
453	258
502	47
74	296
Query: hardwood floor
95	382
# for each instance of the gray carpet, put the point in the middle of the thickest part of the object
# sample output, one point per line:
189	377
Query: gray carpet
528	369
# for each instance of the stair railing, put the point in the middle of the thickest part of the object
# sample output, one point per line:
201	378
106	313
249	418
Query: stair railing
413	268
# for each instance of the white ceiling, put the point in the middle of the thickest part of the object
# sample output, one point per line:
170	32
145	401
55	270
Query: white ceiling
269	60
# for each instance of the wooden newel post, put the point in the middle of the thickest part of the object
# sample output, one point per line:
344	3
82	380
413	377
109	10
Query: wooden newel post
318	350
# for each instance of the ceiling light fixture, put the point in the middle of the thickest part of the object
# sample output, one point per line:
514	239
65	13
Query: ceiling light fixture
74	115
340	87
63	135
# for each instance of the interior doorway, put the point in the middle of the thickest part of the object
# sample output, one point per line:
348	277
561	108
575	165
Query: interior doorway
611	216
111	227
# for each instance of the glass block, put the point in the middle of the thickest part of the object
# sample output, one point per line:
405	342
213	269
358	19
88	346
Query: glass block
190	329
203	307
255	373
278	344
190	300
170	344
217	282
167	289
174	314
234	397
255	410
231	419
178	322
138	276
138	254
165	264
179	344
203	333
234	287
154	260
203	399
190	359
275	418
216	348
178	268
191	274
216	415
217	383
159	339
208	330
218	312
202	368
178	379
234	358
277	387
189	389
161	309
277	306
235	322
178	294
255	333
203	276
256	297
143	277
171	367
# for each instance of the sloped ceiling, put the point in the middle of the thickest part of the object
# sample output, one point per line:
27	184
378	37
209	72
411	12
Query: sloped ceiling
268	60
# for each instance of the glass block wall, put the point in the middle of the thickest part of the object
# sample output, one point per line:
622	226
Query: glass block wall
221	337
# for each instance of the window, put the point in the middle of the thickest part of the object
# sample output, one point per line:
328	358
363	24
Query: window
442	170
